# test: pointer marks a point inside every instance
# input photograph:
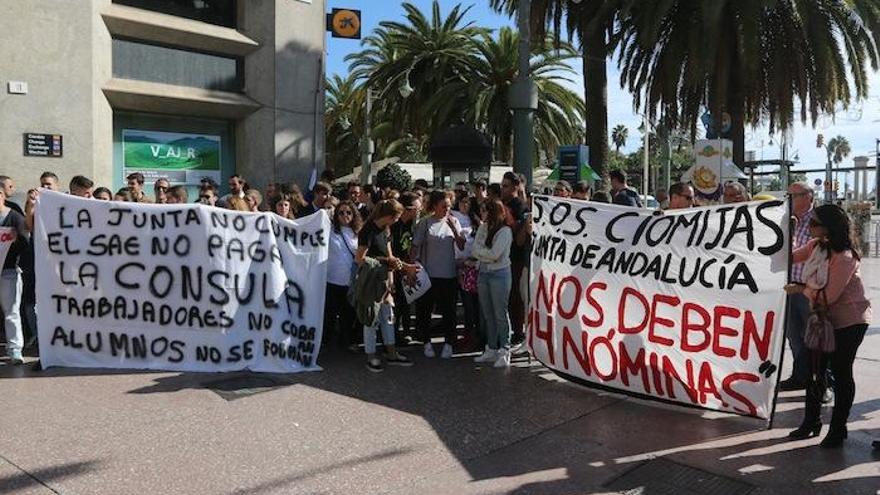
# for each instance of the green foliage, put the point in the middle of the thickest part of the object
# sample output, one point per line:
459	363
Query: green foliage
592	23
394	177
838	148
342	123
460	74
753	59
618	136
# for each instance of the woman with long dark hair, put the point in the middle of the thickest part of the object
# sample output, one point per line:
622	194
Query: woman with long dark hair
492	250
832	281
434	241
340	263
283	207
374	243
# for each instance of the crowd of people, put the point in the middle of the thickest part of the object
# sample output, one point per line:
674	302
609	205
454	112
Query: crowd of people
473	243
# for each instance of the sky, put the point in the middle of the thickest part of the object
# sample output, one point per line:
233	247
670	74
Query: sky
860	125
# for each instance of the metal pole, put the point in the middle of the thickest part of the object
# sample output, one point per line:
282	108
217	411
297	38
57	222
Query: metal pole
524	98
668	171
367	141
646	162
828	178
876	177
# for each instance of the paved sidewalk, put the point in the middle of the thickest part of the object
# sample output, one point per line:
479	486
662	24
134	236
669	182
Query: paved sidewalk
439	427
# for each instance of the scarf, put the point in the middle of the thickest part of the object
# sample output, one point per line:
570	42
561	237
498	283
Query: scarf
816	268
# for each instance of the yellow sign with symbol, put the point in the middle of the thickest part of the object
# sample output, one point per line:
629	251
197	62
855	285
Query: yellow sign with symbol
344	23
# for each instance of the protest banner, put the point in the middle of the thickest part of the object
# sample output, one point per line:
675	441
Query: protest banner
178	287
684	306
7	237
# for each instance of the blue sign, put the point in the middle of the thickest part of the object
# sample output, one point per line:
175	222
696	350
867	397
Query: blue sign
572	159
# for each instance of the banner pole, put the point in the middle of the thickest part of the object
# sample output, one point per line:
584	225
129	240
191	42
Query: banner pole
785	326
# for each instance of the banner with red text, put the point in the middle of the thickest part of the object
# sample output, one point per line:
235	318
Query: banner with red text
181	287
684	306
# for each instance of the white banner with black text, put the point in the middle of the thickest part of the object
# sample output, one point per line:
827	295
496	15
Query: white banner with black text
684	306
178	287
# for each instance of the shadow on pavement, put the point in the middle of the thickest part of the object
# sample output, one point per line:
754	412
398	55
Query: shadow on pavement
44	476
285	481
525	431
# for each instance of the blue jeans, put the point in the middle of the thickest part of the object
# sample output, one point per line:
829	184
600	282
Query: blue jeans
385	321
494	292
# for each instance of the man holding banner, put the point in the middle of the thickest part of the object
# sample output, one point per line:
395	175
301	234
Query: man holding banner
13	238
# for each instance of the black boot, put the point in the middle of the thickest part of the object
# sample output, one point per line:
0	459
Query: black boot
807	429
834	438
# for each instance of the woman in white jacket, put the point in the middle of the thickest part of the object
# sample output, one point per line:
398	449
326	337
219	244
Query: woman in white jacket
492	250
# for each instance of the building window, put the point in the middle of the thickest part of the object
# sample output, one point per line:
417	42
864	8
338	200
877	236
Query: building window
220	12
154	63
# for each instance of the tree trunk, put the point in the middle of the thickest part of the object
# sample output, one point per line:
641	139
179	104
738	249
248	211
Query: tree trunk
596	99
736	108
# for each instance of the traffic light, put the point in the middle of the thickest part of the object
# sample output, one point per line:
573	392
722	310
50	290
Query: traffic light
836	186
820	140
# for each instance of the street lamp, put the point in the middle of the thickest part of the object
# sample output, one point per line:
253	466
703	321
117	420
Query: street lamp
877	176
368	147
367	144
524	98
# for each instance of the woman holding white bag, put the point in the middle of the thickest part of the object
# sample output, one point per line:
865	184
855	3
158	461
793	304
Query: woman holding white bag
834	287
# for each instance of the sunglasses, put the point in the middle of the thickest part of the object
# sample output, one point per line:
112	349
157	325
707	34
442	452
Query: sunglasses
206	198
161	188
346	213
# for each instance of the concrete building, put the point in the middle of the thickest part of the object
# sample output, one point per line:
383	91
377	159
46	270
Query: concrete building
182	88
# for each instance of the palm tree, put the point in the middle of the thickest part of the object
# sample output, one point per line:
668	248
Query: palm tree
618	136
593	22
558	117
838	149
461	74
749	59
342	117
421	53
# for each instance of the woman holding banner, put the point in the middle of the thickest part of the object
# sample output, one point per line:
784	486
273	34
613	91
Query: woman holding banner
374	287
340	263
833	285
492	251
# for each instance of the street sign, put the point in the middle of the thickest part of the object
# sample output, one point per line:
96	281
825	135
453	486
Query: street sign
571	160
47	145
817	182
344	23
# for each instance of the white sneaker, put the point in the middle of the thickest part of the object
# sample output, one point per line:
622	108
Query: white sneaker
429	350
488	356
521	348
502	358
447	351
